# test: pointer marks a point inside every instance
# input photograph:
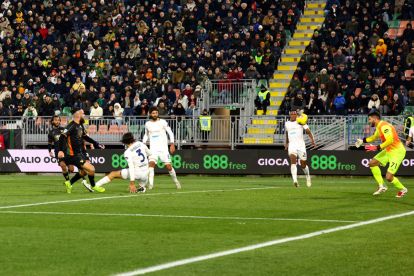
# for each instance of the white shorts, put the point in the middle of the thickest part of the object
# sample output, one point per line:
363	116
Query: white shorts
299	152
141	174
163	156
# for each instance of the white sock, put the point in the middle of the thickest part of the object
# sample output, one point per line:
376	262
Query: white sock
306	171
151	177
294	172
103	181
173	175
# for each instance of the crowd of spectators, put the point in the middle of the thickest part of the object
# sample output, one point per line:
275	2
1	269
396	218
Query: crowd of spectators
352	65
118	58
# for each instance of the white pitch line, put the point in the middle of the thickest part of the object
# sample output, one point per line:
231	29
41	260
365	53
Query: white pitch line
171	216
127	196
200	258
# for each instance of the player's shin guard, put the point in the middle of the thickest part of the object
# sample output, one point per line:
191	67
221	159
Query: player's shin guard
376	172
92	180
151	177
66	175
294	172
306	172
103	181
173	175
397	184
75	178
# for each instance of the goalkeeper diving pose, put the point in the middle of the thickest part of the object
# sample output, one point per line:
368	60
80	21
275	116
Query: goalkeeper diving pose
392	151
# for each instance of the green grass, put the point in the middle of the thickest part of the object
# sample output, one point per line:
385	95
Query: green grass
87	244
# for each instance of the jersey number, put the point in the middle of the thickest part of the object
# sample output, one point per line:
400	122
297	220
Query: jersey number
139	153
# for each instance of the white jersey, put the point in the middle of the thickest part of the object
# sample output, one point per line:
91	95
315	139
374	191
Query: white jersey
411	133
156	132
295	134
137	156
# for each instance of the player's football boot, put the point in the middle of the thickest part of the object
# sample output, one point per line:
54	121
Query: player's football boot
178	185
141	189
68	187
87	185
380	190
296	184
150	187
308	182
98	189
401	193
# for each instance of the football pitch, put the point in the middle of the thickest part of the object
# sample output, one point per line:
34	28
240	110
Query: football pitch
213	226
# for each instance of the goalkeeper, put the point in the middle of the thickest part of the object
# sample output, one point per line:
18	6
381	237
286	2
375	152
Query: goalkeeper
392	151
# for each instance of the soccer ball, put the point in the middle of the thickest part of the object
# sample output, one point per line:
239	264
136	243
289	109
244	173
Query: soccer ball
302	119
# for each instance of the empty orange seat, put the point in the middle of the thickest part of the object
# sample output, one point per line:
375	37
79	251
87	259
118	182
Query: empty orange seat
123	128
103	129
113	129
92	129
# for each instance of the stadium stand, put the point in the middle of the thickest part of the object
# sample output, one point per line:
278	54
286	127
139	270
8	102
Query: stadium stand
57	54
362	57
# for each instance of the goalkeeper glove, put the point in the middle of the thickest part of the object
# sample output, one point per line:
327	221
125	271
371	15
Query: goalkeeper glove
372	148
359	143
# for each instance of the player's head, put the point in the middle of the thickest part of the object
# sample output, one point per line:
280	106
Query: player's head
128	139
78	115
55	121
293	115
374	117
153	113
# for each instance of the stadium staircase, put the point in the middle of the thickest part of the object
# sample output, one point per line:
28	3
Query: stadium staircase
261	131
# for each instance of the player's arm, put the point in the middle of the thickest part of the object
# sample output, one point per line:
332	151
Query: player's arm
145	138
286	139
309	133
96	144
372	138
389	137
50	143
171	136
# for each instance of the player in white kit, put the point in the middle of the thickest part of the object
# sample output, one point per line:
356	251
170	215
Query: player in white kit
137	155
156	130
295	144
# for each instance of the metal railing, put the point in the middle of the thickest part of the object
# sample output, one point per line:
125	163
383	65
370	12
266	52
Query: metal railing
331	132
229	93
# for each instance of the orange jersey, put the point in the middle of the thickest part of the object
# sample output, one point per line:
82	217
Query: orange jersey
388	135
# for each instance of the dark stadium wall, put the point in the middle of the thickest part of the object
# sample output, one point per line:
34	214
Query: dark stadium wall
218	162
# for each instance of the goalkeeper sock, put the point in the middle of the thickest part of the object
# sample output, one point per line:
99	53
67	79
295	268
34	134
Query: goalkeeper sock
376	172
306	171
66	175
294	172
92	180
173	175
151	177
75	178
103	181
397	184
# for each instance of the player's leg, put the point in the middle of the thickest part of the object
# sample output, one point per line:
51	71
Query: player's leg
173	175
65	170
152	162
142	178
165	157
381	159
303	163
124	174
395	162
90	170
151	174
293	168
